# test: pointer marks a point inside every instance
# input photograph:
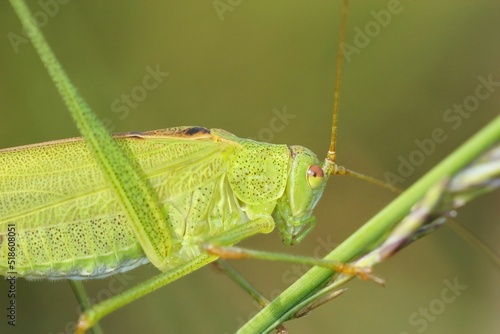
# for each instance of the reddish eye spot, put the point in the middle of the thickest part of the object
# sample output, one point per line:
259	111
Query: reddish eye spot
315	176
315	171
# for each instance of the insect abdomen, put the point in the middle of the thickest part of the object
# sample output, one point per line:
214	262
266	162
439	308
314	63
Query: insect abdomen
85	249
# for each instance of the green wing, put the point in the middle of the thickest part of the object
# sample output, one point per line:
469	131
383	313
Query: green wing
64	211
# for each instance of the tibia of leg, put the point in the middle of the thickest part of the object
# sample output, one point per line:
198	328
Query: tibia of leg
90	317
226	252
233	274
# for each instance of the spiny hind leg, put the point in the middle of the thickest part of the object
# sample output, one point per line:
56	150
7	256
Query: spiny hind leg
91	316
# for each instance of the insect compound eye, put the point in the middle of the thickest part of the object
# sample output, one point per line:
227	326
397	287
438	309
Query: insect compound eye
315	176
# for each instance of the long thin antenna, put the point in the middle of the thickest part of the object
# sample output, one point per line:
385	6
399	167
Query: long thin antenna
339	170
330	167
331	156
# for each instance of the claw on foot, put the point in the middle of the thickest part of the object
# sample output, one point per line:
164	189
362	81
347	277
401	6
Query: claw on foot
364	273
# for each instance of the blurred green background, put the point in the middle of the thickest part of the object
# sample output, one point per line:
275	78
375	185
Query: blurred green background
231	70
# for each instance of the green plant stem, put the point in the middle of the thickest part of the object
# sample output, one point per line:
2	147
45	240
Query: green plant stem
124	176
280	308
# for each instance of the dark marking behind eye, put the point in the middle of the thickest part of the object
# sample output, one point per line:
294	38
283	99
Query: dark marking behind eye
130	135
196	130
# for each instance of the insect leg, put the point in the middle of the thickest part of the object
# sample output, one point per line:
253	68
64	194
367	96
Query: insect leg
233	274
225	252
90	317
220	246
83	300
